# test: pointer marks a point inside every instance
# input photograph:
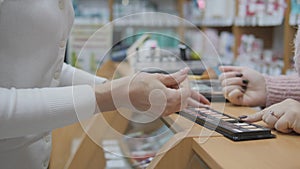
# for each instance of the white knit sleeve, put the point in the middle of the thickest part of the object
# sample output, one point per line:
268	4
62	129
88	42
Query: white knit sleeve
29	111
72	76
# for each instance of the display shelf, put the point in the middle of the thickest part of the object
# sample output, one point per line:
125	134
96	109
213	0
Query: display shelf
294	12
209	13
89	41
289	35
260	19
148	19
276	34
264	33
259	13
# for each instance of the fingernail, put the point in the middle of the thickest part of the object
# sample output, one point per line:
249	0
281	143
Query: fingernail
245	81
206	106
244	88
243	116
239	75
184	70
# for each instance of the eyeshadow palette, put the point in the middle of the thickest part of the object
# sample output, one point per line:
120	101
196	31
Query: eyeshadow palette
211	89
231	127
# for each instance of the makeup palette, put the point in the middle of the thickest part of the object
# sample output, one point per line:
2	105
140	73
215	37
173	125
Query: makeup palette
211	89
231	127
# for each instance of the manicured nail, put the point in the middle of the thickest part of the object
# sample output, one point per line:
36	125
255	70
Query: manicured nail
244	88
239	75
245	81
243	117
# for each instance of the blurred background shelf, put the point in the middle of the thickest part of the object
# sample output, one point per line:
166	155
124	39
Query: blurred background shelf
234	27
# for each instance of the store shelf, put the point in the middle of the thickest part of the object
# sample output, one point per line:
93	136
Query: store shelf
89	42
148	19
259	21
227	16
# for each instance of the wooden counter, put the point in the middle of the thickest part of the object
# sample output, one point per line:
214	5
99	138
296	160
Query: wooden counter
218	151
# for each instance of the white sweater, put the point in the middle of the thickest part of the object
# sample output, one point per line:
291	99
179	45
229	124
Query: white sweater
38	93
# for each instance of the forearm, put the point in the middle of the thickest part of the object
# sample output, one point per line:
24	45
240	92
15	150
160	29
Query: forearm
104	97
109	95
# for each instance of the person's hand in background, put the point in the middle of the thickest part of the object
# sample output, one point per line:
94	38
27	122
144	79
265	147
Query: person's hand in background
156	93
243	86
283	116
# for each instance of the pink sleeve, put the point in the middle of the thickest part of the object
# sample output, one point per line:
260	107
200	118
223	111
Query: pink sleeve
280	88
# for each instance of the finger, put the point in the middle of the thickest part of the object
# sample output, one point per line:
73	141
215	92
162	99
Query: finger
178	96
235	96
233	81
282	125
278	113
269	119
174	79
296	128
235	93
228	89
193	103
185	93
254	117
199	97
227	75
177	100
230	68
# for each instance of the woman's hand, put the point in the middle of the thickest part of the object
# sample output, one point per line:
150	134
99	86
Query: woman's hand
156	93
283	116
243	86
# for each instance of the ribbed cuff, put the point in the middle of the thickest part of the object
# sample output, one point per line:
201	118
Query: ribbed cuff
72	104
